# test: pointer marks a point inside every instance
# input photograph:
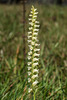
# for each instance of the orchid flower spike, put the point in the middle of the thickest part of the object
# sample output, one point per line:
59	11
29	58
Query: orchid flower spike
33	54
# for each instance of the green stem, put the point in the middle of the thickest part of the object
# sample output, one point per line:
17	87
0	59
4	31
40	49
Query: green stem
34	95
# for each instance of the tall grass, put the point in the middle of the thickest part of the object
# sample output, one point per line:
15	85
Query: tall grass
53	56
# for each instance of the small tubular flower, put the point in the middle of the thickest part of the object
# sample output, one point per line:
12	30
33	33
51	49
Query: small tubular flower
29	73
35	83
29	63
29	90
29	68
33	54
29	80
29	57
35	64
35	59
29	32
35	71
36	50
36	30
29	53
34	76
35	33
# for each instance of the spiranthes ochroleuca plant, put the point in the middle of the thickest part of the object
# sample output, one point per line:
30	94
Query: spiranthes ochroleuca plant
33	54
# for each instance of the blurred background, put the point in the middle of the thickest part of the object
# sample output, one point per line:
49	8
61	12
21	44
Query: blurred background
38	1
52	36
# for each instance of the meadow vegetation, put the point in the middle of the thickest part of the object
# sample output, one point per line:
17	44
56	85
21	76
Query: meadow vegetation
53	53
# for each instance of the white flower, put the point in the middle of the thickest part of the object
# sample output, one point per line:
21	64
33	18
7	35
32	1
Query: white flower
29	63
29	90
33	20
29	68
37	22
31	48
35	33
37	44
37	25
29	33
35	64
31	12
30	15
34	16
35	83
29	73
35	9
32	43
36	30
30	28
35	59
34	76
31	23
29	53
29	57
34	38
35	54
29	37
36	50
35	70
36	13
29	41
30	19
29	80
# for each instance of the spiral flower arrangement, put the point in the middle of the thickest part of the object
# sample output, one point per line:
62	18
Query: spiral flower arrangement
33	54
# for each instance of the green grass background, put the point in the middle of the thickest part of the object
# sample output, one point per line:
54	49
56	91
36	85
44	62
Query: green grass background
53	54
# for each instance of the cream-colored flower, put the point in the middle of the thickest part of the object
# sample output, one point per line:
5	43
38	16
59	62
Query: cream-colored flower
33	43
31	23
29	63
31	48
29	33
37	22
35	33
34	76
36	30
29	37
30	19
35	70
29	73
35	54
35	16
35	64
30	15
34	38
36	50
30	28
29	53
29	68
29	80
35	83
37	25
35	59
29	57
29	90
37	44
36	13
29	41
33	20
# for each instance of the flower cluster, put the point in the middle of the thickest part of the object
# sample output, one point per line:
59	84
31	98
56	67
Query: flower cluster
33	54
